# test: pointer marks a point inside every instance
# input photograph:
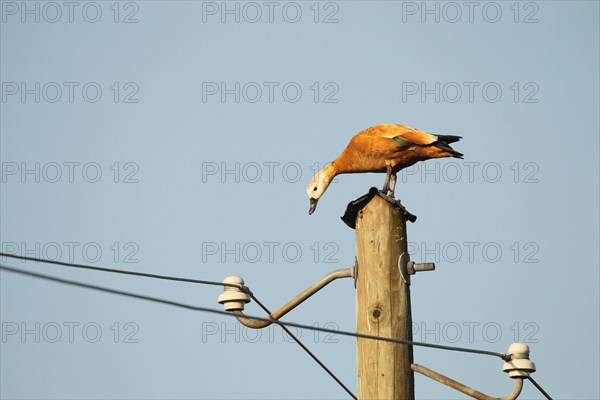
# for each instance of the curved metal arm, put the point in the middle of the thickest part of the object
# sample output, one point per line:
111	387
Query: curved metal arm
464	388
289	306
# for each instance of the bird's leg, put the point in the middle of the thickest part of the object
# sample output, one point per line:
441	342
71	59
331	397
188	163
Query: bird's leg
393	185
386	183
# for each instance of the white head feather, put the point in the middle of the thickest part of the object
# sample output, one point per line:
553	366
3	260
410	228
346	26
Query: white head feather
319	184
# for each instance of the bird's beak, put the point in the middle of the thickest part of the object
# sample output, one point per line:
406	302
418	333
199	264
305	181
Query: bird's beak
313	205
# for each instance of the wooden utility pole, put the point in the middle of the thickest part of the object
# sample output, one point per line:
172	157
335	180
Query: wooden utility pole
382	303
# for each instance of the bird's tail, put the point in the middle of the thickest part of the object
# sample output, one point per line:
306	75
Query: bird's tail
449	138
442	144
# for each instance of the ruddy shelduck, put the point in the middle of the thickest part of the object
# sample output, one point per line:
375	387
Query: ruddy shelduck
382	148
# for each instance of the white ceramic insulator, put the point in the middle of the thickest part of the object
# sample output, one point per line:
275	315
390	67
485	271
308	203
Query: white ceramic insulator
232	298
520	365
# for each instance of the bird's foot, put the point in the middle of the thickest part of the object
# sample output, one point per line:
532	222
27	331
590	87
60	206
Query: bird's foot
386	185
387	191
392	187
389	177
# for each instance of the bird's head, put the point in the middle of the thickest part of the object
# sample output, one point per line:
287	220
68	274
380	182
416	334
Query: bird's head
318	185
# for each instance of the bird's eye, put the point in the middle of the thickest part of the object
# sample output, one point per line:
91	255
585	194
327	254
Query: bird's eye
315	189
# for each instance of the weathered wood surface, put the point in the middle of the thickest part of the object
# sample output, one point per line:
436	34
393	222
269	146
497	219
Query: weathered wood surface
382	304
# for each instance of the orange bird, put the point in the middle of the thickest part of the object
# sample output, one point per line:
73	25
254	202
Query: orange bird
382	148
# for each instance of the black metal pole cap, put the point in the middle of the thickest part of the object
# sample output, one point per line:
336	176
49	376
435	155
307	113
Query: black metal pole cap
356	205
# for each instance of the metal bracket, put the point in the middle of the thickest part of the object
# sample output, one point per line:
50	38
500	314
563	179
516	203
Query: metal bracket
233	299
403	266
466	389
355	271
408	268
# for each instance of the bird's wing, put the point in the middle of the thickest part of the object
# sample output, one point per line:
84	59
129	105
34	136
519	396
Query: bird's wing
417	137
404	136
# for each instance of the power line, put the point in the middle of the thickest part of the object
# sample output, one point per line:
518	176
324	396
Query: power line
172	278
310	353
177	304
120	271
542	391
109	290
503	356
283	324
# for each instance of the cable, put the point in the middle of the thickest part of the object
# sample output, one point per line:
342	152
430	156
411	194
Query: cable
285	328
72	265
120	271
109	290
503	356
283	324
539	388
14	270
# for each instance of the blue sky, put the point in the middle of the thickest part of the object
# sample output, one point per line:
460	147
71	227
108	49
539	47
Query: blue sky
178	138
